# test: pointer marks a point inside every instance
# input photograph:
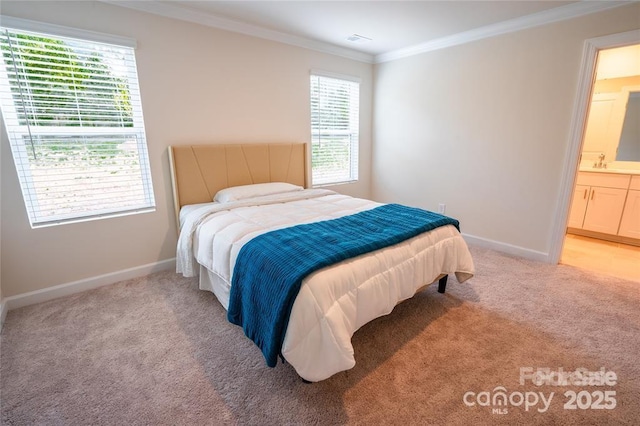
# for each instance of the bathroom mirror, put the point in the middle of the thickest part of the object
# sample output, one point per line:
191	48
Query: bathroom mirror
629	146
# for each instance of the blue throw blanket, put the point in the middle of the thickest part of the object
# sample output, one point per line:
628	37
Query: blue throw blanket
270	268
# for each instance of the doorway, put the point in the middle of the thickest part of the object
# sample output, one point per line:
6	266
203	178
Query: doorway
609	257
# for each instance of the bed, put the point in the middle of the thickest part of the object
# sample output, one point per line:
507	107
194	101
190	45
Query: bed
261	189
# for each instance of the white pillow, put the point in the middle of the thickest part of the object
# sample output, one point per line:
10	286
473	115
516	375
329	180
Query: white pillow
236	193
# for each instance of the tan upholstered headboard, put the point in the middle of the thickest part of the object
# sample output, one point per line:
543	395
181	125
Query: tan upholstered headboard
198	172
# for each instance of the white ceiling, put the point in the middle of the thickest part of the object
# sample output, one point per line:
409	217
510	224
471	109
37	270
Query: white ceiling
393	26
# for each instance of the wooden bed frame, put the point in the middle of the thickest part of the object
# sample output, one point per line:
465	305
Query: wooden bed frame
198	172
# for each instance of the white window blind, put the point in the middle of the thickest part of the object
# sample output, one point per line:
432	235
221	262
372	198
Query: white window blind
73	116
335	126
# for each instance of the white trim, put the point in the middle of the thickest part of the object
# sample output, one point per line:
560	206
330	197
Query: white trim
210	20
61	31
583	95
561	13
67	289
329	74
545	17
3	313
506	248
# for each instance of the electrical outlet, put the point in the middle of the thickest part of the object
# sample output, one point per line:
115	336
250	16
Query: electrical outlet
442	208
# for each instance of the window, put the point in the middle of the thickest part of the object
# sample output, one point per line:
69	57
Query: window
334	130
73	116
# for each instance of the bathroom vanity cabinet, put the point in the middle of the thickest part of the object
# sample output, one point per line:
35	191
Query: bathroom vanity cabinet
630	223
606	204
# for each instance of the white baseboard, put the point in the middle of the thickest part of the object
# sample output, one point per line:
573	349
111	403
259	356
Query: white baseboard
507	248
67	289
61	290
3	313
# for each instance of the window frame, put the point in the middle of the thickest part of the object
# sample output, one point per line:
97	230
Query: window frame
16	130
354	148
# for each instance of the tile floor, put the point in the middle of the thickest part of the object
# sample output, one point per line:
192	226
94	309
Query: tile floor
616	259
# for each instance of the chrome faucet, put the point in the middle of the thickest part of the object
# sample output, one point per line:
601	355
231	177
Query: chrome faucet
600	164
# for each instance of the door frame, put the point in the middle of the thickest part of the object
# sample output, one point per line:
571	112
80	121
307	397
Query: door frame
586	78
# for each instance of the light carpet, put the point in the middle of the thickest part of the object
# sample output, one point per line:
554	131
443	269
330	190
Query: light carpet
157	350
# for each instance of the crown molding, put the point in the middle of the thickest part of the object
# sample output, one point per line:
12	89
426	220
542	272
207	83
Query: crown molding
562	13
210	20
549	16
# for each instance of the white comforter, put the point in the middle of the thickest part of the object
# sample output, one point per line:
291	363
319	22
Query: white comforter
333	302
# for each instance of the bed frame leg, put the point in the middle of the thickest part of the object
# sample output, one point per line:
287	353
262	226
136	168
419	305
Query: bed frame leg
442	284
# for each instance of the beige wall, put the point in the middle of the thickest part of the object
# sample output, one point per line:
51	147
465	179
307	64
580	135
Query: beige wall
484	127
198	85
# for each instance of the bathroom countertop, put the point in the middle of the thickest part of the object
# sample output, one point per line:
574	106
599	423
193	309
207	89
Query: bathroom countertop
613	170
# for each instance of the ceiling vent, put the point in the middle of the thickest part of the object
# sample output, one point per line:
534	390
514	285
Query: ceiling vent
356	38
